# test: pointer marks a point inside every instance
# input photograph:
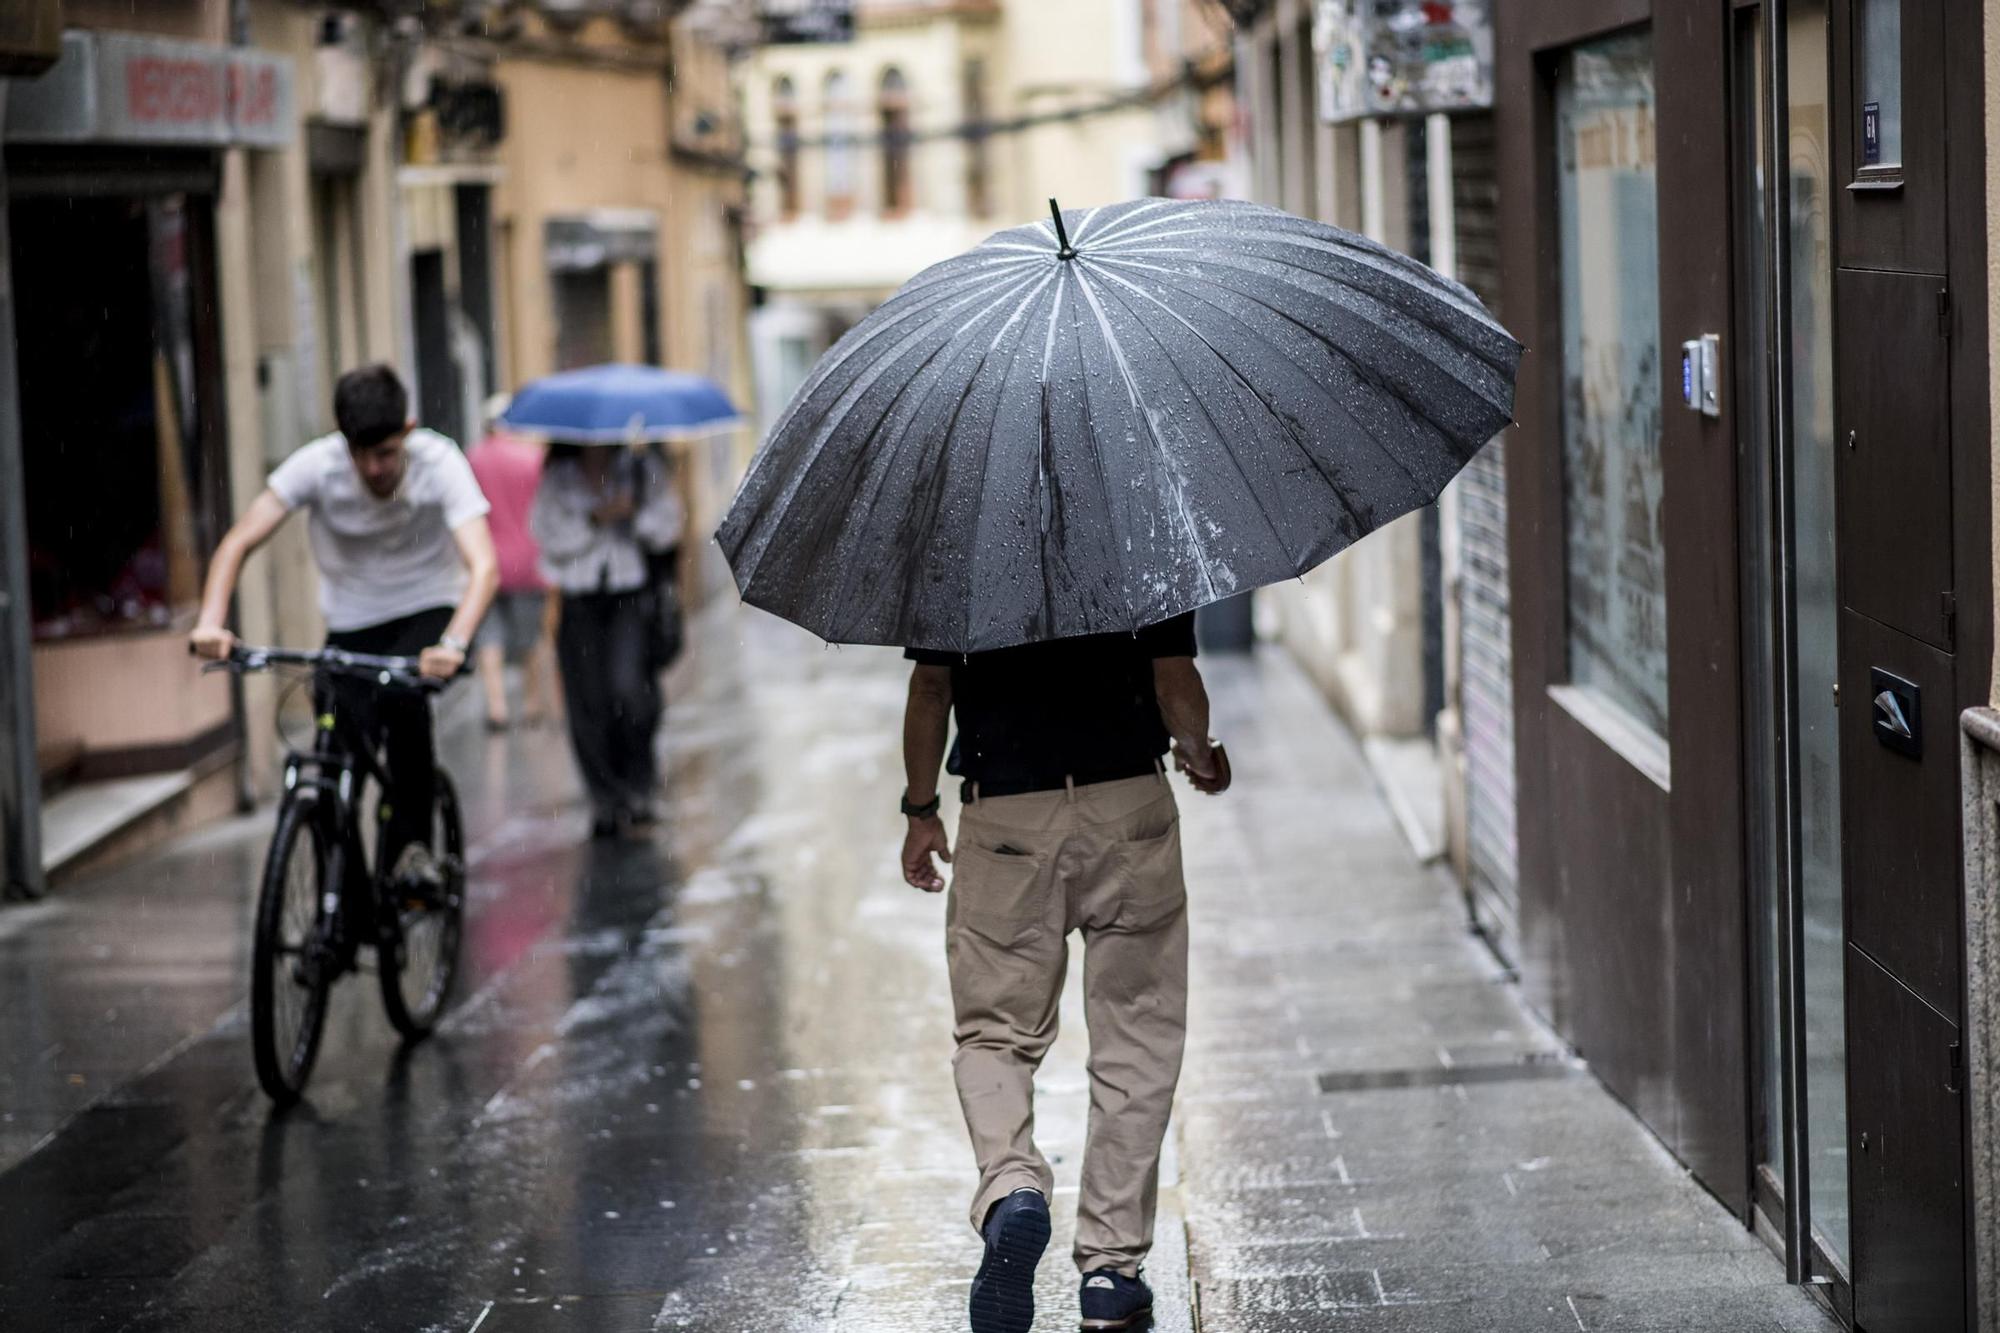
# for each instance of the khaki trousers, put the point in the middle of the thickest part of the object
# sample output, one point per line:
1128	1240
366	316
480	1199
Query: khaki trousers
1105	860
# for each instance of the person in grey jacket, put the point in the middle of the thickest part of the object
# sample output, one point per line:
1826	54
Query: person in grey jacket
599	512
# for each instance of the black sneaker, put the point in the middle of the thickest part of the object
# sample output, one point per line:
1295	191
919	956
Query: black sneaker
1003	1291
1112	1300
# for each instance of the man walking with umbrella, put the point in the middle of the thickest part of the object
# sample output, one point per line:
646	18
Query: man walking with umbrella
1069	825
1030	464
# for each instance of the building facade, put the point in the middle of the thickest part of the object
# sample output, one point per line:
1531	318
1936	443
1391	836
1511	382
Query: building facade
263	195
1408	633
149	176
1711	612
1748	612
927	126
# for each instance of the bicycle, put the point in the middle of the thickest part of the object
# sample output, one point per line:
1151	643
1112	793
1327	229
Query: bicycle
323	898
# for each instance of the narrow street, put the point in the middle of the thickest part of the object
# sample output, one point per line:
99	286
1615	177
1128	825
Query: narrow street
705	1084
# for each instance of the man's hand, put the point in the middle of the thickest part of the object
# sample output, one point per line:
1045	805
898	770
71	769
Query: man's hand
618	509
926	836
212	642
440	662
1207	767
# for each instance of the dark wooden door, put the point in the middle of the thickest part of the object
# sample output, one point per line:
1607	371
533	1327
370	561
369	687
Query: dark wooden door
1905	1119
1900	343
1622	527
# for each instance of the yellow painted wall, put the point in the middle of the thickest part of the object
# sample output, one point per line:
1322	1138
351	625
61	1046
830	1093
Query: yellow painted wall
580	136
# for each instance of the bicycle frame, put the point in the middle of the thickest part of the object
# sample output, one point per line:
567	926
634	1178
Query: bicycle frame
333	776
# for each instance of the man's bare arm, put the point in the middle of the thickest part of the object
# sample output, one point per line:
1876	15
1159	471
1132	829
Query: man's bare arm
1183	705
474	540
926	722
209	637
1184	710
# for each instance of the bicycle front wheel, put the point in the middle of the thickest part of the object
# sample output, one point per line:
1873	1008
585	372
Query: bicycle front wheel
288	976
421	919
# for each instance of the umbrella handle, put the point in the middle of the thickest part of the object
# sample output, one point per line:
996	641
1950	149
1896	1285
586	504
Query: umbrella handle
1067	251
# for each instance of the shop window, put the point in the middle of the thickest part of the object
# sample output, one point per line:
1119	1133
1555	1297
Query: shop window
785	111
893	107
1612	478
115	307
650	349
841	146
978	153
339	297
583	317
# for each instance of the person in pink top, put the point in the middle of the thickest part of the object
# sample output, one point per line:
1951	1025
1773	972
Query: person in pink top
509	470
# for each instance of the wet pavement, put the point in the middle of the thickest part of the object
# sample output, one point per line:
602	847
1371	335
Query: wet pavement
704	1082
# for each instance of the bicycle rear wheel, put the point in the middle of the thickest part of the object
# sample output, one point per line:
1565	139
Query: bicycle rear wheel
421	924
288	977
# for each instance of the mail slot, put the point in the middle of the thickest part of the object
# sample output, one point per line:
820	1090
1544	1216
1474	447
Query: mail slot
1898	713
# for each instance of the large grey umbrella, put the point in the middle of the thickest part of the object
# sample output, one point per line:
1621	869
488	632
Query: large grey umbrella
1097	422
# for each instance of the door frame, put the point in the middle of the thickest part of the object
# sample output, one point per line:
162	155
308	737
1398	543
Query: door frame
1692	828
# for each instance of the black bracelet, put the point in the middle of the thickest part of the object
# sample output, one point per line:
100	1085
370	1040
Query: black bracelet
924	811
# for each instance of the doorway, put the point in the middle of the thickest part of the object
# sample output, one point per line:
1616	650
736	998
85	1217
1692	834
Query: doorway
440	392
1791	614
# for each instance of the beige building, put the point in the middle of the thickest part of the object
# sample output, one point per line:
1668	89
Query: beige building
279	192
1379	627
940	123
581	230
618	209
246	259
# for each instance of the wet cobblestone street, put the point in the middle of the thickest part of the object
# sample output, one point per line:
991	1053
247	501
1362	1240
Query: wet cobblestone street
704	1083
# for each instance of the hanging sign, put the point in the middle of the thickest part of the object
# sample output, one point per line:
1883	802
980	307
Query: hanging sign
794	21
1403	57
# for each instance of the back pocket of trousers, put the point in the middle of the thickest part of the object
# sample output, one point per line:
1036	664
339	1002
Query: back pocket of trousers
996	896
1151	889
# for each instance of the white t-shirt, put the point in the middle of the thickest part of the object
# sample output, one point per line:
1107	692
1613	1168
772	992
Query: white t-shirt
382	559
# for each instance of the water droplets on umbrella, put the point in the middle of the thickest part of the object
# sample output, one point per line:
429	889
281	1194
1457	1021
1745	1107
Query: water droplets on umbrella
1097	421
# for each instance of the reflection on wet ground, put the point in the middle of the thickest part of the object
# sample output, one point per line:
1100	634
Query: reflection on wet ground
703	1082
695	1083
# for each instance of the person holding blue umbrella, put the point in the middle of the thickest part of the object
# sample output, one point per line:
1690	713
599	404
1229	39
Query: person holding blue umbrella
607	518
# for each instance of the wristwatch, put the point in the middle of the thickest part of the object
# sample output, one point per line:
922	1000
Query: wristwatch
456	644
924	811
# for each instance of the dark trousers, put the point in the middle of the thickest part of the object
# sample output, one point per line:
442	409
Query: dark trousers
399	723
612	693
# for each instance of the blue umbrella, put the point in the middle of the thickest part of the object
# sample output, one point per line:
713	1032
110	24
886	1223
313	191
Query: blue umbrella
621	405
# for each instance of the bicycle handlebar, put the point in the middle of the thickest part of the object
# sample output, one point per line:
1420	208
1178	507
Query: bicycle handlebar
395	672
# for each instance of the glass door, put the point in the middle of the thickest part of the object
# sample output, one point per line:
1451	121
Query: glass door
1790	620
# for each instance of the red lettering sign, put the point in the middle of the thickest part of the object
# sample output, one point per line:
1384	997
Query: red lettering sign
253	95
164	91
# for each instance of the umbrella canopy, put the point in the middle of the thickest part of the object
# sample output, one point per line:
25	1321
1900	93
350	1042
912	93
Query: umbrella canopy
1098	422
620	405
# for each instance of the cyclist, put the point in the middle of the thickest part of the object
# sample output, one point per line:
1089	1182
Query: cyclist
406	564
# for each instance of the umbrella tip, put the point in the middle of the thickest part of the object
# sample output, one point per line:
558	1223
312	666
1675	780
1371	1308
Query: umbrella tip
1065	250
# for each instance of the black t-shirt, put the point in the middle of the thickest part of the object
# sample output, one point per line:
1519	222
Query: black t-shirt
1080	708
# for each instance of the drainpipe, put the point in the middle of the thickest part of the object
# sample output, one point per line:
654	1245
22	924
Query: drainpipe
20	778
239	708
